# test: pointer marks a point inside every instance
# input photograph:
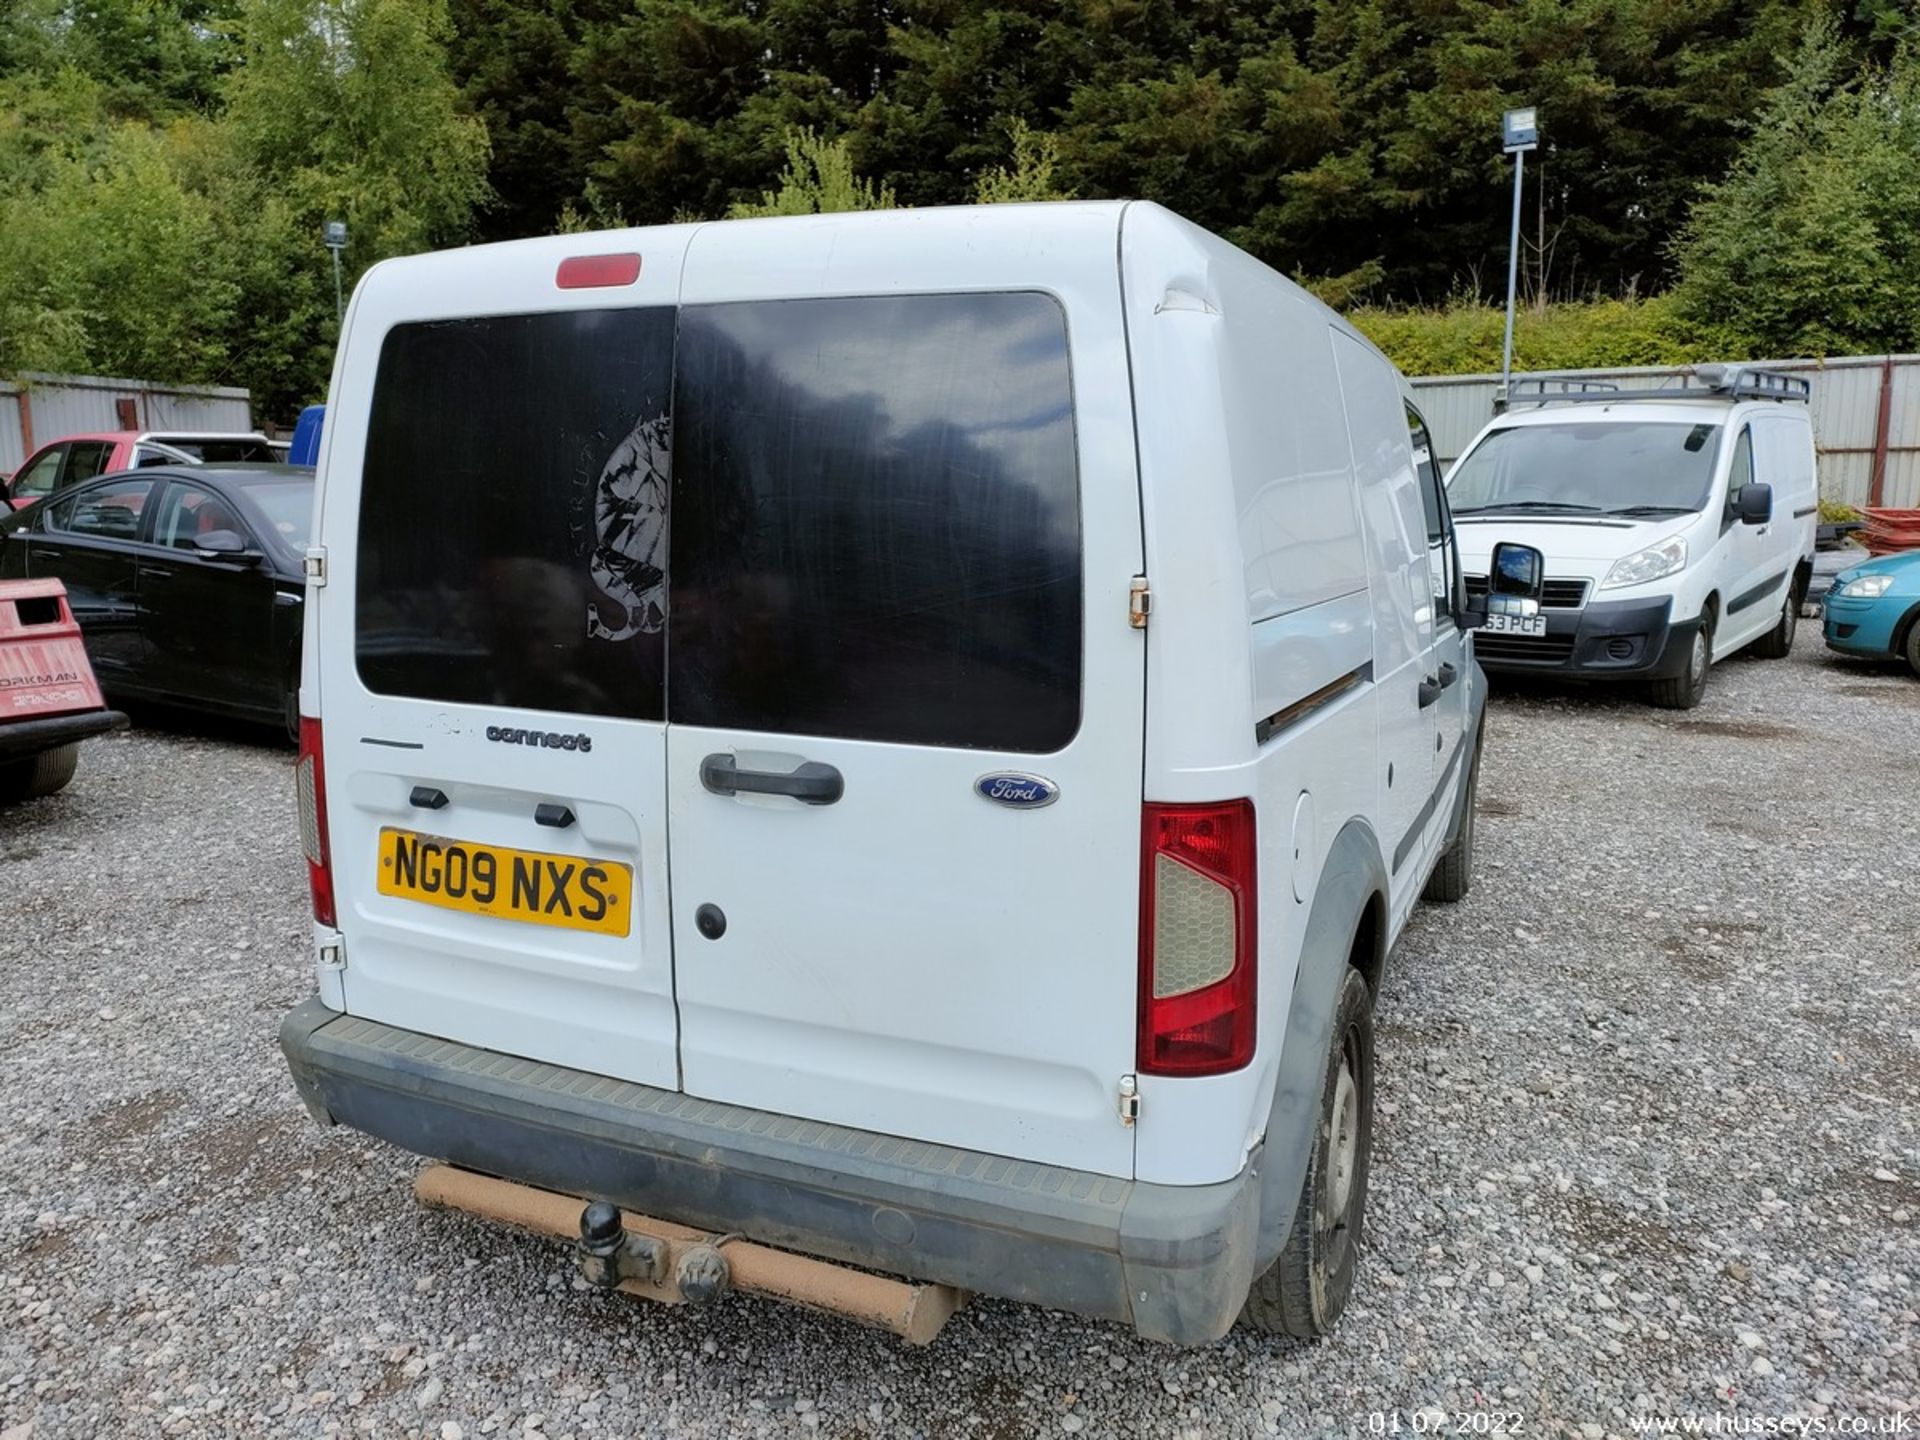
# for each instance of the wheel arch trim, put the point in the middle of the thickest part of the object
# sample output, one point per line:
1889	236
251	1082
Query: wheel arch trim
1352	883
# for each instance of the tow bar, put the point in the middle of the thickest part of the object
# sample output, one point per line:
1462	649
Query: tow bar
677	1265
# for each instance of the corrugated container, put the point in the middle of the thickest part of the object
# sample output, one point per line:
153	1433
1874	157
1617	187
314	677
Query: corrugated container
36	409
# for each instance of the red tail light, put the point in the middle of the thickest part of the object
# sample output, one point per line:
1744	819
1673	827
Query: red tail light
1199	946
310	779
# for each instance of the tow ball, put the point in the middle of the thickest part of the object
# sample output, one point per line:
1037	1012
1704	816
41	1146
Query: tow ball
676	1264
610	1253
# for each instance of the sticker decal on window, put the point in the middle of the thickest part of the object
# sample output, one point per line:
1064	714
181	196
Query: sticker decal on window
630	531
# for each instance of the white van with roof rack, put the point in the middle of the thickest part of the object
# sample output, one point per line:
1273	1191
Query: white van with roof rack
904	737
1678	524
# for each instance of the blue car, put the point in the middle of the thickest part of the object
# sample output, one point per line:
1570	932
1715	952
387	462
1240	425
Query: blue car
1874	609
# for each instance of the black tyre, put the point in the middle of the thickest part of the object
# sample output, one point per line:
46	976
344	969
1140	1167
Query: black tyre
38	775
1452	878
1684	690
1913	646
1777	643
1305	1290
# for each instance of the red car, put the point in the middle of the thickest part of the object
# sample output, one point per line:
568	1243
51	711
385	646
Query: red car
74	458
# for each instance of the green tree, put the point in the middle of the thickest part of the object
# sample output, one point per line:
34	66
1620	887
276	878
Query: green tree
342	109
1808	246
104	267
152	59
513	61
818	179
346	106
1031	177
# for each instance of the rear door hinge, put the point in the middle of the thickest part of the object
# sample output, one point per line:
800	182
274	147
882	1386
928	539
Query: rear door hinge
314	566
1139	602
333	955
1129	1099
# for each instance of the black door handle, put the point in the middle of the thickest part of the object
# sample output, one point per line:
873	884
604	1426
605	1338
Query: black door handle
1430	689
814	783
1448	675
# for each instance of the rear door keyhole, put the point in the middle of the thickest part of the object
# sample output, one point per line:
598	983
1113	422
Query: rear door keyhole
710	921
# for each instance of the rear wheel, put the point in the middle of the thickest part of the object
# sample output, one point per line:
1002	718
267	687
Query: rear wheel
38	775
1777	643
1305	1290
1913	646
1684	690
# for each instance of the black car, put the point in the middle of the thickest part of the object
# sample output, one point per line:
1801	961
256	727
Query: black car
186	580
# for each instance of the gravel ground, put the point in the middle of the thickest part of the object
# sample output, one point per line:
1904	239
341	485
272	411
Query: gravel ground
1647	1135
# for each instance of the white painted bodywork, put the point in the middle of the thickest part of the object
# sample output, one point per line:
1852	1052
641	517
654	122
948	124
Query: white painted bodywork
947	970
1723	560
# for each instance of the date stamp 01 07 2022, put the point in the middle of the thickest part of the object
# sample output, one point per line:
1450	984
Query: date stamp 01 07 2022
1432	1420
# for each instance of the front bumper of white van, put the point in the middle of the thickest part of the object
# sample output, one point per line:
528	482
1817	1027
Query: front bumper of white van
1172	1261
1602	640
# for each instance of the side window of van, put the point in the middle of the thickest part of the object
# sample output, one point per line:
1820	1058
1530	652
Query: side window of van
1442	559
513	512
876	521
1740	470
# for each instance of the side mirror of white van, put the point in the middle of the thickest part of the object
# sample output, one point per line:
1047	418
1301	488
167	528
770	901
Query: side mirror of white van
1753	503
1517	575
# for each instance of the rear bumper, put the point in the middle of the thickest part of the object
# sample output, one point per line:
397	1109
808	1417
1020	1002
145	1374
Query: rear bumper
21	738
1607	640
1175	1262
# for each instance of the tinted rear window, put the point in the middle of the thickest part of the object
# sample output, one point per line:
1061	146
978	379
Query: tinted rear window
512	512
876	521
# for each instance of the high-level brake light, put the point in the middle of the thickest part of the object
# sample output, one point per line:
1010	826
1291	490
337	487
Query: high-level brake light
587	272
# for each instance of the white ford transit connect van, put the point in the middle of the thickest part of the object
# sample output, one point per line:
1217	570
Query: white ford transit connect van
904	736
1678	524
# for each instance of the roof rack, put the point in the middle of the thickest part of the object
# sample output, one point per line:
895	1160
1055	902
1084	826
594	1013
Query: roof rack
1717	382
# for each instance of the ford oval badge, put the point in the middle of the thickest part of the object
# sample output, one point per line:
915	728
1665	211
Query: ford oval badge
1021	791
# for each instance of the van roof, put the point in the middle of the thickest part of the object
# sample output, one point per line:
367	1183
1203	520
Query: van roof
1172	245
1639	406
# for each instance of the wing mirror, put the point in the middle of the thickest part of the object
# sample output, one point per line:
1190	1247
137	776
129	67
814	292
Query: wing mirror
226	545
1753	503
1515	582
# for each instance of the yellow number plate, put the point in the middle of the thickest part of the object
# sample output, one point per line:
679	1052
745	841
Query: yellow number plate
528	885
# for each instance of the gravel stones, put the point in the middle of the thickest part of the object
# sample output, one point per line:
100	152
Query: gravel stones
1675	1022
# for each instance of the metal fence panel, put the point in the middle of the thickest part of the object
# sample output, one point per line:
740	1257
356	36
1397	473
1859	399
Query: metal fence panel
1865	412
43	408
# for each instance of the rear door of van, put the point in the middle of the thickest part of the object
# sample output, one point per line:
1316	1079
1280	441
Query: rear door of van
491	653
903	763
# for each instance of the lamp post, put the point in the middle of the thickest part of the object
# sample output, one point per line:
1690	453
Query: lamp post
1519	133
334	236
